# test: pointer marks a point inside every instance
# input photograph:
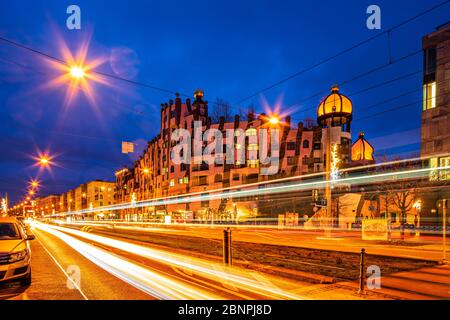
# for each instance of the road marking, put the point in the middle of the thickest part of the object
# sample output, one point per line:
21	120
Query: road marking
62	269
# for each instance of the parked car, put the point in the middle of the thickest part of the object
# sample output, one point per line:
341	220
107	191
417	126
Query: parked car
15	253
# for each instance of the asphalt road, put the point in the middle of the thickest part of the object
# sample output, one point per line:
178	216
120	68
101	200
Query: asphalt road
415	247
52	266
106	272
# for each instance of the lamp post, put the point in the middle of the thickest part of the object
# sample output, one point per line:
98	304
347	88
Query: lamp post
444	230
328	178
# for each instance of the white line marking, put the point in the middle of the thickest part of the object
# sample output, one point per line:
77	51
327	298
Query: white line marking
62	269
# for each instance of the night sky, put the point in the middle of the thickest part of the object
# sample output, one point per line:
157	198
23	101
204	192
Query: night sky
230	49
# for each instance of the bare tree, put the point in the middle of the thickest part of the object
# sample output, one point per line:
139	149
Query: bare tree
221	108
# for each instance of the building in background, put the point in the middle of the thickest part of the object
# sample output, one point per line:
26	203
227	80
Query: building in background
435	122
302	151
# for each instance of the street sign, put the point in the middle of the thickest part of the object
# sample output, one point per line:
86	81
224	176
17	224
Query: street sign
127	147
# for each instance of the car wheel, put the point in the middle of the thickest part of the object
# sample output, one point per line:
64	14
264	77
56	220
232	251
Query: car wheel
26	280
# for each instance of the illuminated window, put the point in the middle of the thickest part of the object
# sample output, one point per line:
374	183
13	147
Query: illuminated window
186	180
252	147
250	132
444	174
180	181
253	163
238	146
172	182
429	96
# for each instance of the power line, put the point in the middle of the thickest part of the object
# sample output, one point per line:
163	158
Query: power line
359	76
296	74
104	74
405	76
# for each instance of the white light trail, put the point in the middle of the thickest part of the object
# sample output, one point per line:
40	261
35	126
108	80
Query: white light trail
239	278
152	283
271	189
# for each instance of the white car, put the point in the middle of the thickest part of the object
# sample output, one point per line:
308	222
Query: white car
15	253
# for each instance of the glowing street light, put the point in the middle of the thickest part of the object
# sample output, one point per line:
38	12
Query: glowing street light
77	72
274	120
44	161
34	183
146	170
31	192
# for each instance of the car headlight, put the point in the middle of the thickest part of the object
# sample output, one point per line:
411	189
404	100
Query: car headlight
17	256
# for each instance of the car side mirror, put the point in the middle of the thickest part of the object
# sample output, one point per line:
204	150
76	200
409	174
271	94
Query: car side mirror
30	237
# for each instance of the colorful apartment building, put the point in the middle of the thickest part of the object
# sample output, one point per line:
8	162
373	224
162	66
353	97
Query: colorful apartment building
301	151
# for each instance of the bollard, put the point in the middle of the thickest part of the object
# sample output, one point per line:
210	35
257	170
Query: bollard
227	259
361	272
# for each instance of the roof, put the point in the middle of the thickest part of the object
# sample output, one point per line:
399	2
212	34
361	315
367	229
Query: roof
8	220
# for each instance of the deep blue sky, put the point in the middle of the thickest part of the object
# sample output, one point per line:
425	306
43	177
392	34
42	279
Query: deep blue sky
228	48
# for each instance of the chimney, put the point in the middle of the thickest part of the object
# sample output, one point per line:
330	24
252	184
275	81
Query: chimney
288	121
188	105
236	121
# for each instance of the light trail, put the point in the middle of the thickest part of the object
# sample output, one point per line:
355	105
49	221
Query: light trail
239	278
197	197
152	283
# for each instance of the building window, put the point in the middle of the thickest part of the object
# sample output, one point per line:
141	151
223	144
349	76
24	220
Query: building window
172	182
172	169
291	145
429	62
203	180
253	163
238	146
250	132
290	161
186	180
218	178
305	143
317	146
180	181
429	96
183	167
236	177
252	147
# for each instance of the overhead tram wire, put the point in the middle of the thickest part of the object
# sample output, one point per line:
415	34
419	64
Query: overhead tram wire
380	84
349	49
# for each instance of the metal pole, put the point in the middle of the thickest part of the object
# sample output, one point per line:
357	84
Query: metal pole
227	257
328	177
361	272
444	230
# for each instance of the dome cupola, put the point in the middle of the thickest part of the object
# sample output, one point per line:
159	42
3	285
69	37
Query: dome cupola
336	107
362	150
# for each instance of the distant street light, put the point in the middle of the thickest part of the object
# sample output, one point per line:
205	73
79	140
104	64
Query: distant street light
44	161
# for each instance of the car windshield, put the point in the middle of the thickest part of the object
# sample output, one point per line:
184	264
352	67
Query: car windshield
9	231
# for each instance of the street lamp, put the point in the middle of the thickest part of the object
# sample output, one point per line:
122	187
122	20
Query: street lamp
44	161
274	120
77	72
444	229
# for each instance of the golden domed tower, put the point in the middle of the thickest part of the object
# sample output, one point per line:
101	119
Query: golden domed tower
334	115
362	151
335	110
